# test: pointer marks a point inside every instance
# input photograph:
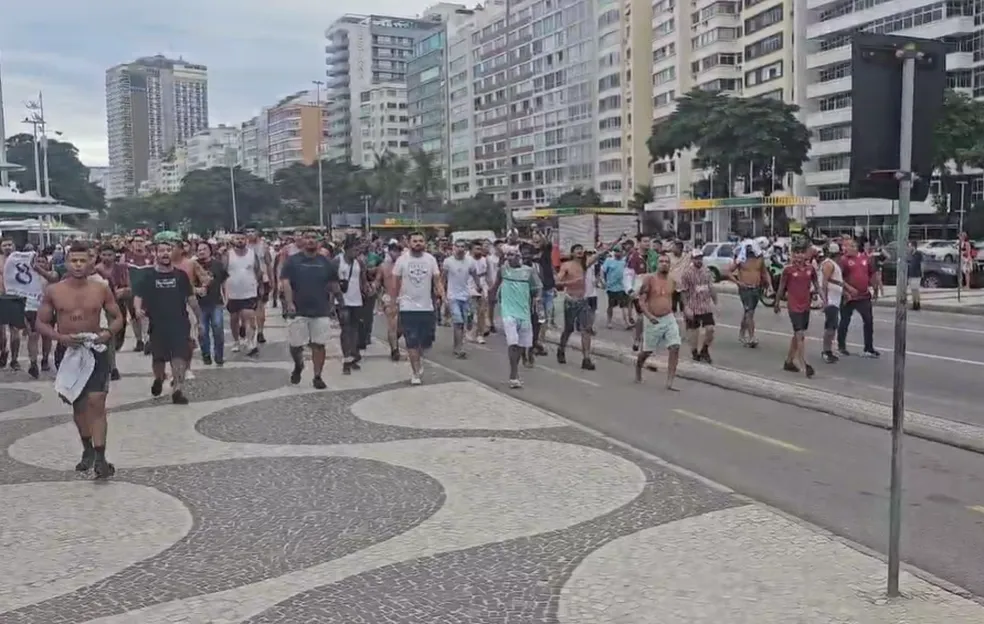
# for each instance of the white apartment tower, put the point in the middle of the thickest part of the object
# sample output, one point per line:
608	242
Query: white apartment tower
152	105
362	51
826	86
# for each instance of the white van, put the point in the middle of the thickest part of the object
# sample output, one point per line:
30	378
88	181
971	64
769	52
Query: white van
471	235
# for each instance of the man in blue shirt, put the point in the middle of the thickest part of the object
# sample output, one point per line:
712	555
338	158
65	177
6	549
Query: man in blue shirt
613	272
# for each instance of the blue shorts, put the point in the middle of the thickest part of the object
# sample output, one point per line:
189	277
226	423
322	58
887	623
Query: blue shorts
418	329
549	294
460	309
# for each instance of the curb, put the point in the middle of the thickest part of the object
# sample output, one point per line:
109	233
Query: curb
933	428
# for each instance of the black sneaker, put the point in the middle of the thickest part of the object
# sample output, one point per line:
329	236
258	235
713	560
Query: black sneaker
790	367
255	351
346	368
561	357
587	364
4	356
829	357
870	353
705	357
206	359
88	459
139	346
395	355
103	469
843	352
15	365
178	398
354	365
157	387
695	355
810	372
319	383
45	365
146	350
540	350
33	371
114	374
260	338
295	375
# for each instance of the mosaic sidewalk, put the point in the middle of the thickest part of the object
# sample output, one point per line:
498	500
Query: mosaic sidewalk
374	502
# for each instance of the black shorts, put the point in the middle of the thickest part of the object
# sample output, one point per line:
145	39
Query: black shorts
617	299
700	320
12	311
98	380
831	317
419	328
174	344
749	296
235	306
800	320
677	302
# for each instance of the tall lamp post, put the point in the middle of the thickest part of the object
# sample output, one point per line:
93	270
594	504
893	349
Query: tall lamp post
321	142
231	161
963	190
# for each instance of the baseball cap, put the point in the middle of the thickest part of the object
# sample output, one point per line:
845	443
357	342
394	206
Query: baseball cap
833	248
697	253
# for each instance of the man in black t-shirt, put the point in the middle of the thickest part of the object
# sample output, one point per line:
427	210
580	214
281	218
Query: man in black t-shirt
212	304
164	298
308	281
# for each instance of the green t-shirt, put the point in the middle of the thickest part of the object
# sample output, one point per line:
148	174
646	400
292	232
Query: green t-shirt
652	261
514	293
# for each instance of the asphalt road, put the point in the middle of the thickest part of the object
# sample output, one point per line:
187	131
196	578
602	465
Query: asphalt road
832	472
944	363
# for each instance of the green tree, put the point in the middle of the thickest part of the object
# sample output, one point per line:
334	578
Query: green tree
205	199
958	143
424	183
643	195
480	212
388	181
152	211
343	185
578	198
738	137
69	178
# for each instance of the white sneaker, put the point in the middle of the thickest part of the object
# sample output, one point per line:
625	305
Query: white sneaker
480	340
189	376
235	347
515	383
415	380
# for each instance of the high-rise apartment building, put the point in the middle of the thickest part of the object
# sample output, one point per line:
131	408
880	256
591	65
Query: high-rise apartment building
384	126
152	105
825	85
286	133
362	51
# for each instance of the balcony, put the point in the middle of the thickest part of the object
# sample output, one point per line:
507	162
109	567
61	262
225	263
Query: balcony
827	178
822	89
717	72
337	69
818	4
828	57
851	20
826	148
828	118
959	60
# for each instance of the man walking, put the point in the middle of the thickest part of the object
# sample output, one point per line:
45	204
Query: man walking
460	276
352	277
416	285
211	302
857	269
514	286
242	286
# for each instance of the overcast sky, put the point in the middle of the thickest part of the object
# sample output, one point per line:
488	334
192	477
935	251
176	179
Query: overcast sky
256	51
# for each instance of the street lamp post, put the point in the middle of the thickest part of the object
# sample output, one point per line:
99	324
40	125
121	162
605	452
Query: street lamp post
40	124
321	141
365	207
963	190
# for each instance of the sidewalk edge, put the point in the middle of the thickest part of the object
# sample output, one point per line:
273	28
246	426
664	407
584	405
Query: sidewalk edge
707	481
932	428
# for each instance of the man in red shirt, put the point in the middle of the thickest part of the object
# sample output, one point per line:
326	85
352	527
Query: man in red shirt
858	270
798	283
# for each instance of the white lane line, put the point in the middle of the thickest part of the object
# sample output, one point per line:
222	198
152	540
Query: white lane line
587	382
964	330
742	432
928	356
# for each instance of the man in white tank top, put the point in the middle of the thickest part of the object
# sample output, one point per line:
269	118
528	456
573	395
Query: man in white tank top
832	288
21	279
265	287
242	292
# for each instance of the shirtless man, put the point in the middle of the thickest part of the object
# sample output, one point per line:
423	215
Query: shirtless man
751	276
384	281
78	304
578	315
661	328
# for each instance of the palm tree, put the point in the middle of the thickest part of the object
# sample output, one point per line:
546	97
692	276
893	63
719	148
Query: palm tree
642	196
388	181
425	181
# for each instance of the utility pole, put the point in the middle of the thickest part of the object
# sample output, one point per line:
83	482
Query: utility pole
509	116
4	175
365	208
321	141
34	123
963	189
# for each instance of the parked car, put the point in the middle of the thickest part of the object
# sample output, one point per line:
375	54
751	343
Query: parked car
935	273
718	258
945	250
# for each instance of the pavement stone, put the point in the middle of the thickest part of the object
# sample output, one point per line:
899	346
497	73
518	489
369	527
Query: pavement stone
376	502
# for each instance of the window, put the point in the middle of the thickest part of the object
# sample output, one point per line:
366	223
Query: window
611	102
664	99
833	192
835	162
835	102
770	44
610	123
834	72
606	145
608	18
664	28
664	52
711	36
664	76
609	82
834	133
775	94
763	20
762	74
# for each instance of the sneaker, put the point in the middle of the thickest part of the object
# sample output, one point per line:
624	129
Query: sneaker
515	383
242	332
139	346
415	380
236	346
694	355
4	356
146	350
295	375
206	359
561	357
829	357
790	367
346	368
219	362
354	365
810	372
480	340
871	354
88	459
540	350
843	352
157	387
255	351
33	371
705	357
319	383
103	469
114	374
45	365
178	398
15	365
260	338
395	355
587	364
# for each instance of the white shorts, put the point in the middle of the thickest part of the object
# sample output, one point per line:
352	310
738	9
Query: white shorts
914	284
303	331
519	333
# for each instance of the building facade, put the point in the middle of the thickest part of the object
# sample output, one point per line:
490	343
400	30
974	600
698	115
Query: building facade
291	131
254	146
152	105
384	126
362	51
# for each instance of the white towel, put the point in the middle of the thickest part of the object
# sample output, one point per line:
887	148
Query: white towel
77	366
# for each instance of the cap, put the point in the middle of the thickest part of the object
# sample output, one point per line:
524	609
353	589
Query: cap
697	253
833	248
393	243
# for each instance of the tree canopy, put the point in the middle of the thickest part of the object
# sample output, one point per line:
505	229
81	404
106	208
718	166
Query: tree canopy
739	135
68	177
480	212
958	139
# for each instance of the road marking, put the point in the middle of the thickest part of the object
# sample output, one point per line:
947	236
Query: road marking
928	356
568	376
978	508
742	432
